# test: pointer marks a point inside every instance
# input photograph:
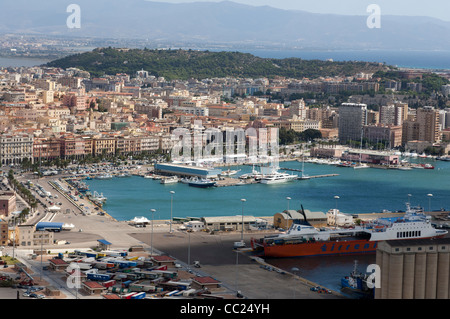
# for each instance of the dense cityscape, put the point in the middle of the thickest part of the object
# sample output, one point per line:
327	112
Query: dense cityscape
62	115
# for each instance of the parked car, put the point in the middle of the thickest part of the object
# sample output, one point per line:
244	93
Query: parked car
34	289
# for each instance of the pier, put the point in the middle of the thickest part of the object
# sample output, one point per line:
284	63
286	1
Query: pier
290	169
324	175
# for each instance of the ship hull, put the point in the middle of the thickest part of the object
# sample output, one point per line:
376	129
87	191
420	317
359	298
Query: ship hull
202	185
319	248
362	246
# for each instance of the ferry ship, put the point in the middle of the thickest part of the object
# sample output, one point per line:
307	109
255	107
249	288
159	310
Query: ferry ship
305	240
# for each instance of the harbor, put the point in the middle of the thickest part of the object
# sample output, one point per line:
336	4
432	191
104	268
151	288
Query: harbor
137	196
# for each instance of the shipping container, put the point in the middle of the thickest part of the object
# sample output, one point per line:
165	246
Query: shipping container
109	283
99	277
129	295
120	290
173	292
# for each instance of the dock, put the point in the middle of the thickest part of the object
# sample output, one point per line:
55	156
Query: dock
290	169
324	175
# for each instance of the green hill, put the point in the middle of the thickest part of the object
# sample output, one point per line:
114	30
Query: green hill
185	64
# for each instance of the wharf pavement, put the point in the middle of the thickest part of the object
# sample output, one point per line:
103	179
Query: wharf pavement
237	270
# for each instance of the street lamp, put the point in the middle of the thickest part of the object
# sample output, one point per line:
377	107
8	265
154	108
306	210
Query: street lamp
14	234
189	245
336	198
429	202
171	206
336	211
243	200
151	237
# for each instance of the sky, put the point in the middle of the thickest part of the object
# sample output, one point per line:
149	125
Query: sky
433	8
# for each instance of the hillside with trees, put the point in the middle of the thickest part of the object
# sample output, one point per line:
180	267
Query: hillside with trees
185	64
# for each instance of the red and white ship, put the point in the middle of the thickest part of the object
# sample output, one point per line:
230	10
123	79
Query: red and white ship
305	240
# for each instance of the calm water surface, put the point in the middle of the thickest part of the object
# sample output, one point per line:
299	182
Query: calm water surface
360	191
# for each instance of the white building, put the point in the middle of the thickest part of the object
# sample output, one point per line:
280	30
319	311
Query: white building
336	218
15	148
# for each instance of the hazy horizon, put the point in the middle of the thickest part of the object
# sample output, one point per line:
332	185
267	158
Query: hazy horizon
439	9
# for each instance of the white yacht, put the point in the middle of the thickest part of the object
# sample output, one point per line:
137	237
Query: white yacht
169	180
277	177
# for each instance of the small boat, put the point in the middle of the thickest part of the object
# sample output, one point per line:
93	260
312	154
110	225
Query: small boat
98	198
229	172
201	183
428	166
185	180
104	176
356	283
360	165
169	180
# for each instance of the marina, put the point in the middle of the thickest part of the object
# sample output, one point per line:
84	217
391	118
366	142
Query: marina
360	191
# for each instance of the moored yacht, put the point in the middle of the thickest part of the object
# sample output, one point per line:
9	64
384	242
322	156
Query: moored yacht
277	177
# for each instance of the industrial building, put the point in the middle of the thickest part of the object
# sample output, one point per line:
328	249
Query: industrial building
414	269
188	171
288	217
233	223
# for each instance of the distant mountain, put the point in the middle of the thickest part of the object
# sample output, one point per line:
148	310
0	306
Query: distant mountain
185	64
223	23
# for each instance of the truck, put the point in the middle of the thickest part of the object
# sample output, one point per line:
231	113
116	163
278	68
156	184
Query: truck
99	277
139	295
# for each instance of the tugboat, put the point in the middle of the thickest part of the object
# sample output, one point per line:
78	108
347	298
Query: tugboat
356	283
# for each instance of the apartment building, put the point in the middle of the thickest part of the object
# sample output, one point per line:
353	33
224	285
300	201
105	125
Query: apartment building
352	118
105	145
428	119
14	148
46	149
128	145
7	203
72	147
425	126
298	126
3	232
389	134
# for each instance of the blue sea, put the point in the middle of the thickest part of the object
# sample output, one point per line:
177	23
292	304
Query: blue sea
410	59
21	62
421	59
360	191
